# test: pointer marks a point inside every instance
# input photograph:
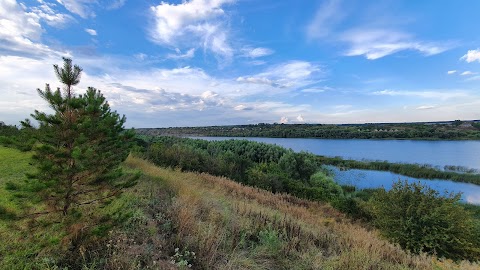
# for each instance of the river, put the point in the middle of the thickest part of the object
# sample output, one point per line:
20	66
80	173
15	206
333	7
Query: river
435	153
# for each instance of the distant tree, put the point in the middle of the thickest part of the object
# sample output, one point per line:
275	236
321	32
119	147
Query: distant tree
420	220
80	145
457	123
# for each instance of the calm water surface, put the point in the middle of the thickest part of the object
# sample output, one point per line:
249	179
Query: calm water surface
436	153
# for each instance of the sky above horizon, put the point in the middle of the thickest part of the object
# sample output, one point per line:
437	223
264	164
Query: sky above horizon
220	62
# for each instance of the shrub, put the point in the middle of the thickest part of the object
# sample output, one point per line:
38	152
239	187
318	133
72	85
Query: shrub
421	220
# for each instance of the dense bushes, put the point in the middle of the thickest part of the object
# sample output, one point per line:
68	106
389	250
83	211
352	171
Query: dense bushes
256	164
421	220
11	136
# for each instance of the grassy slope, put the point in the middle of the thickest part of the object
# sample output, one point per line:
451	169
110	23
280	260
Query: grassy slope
227	225
231	226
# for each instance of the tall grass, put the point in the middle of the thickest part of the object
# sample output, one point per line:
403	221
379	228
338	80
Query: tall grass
231	226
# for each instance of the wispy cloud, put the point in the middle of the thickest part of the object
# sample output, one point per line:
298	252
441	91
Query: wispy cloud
257	52
179	55
473	78
425	107
369	37
91	32
430	94
377	43
467	73
83	8
114	4
193	22
290	74
327	16
471	56
450	72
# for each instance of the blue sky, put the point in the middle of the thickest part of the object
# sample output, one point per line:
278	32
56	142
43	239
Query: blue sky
218	62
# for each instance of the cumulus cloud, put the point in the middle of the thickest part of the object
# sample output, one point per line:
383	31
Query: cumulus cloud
46	12
300	118
471	56
193	22
283	120
450	72
91	32
21	30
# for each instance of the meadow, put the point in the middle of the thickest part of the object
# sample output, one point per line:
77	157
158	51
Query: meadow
176	220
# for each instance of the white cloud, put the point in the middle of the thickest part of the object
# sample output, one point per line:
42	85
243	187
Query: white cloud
21	30
425	107
289	74
192	22
372	37
116	4
468	72
377	43
327	16
83	8
259	80
342	107
91	32
178	55
140	56
450	72
300	118
430	94
257	52
257	62
240	107
284	120
471	56
316	89
473	78
47	13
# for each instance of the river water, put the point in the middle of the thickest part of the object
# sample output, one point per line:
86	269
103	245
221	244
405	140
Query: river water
435	153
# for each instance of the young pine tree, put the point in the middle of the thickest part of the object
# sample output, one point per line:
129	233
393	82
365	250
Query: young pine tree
80	146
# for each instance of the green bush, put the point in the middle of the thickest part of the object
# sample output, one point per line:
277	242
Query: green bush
327	187
421	220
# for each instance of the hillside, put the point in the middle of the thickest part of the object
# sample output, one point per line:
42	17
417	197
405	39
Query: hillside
173	219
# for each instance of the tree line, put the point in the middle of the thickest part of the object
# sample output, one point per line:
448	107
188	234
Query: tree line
430	131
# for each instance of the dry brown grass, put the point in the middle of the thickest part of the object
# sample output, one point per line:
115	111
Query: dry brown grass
231	226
